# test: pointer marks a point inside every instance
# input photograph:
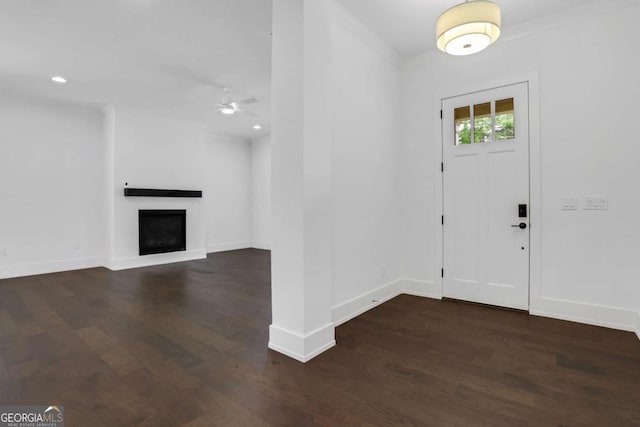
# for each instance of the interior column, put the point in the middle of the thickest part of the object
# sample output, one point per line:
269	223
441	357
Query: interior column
302	246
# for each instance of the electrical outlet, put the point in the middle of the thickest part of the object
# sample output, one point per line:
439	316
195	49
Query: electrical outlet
76	246
569	203
4	252
596	203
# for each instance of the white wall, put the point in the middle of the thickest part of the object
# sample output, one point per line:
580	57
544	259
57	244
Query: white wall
155	152
51	175
366	144
227	193
62	183
588	105
261	192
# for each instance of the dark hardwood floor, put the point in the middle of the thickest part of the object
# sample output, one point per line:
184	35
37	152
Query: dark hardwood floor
185	344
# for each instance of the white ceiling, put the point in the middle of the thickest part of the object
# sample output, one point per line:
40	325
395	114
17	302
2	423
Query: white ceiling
167	56
408	26
159	55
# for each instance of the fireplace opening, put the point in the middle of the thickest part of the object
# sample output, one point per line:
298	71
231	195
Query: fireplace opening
162	231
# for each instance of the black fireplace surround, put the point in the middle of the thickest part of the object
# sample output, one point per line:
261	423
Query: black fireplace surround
162	231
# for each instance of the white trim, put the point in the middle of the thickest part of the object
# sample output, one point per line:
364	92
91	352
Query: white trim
590	314
438	195
349	22
535	191
261	245
348	310
535	179
149	260
421	288
35	268
230	246
234	246
353	308
302	348
208	133
573	311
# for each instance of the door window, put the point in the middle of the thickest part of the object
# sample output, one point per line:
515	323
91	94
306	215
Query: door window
462	124
482	123
505	126
487	122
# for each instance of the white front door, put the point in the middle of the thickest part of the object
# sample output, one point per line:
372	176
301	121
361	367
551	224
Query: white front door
485	137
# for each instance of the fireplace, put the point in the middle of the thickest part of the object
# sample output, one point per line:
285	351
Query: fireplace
162	231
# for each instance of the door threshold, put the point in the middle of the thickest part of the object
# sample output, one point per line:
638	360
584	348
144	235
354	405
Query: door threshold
461	301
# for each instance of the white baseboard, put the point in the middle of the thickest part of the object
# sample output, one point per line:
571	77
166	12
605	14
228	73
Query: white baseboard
230	246
301	347
149	260
261	245
590	314
355	307
421	288
32	269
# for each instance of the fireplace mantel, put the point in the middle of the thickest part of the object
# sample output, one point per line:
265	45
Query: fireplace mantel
149	192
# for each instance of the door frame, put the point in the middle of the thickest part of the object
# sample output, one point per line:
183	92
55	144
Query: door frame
535	208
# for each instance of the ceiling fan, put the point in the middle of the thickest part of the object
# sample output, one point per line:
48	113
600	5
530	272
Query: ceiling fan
229	106
207	89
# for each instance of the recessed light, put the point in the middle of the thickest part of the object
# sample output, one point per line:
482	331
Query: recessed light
257	127
59	79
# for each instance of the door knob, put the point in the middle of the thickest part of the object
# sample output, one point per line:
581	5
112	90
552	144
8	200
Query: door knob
521	226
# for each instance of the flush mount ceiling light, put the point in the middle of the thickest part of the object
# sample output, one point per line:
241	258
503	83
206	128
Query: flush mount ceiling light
59	79
468	27
257	127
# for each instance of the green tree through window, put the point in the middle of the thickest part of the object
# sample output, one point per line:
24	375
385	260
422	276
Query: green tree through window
484	129
505	128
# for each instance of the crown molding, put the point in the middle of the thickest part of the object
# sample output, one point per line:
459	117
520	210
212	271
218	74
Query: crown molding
208	133
351	23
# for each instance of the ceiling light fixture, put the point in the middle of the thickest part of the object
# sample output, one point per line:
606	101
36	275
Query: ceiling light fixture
59	79
257	127
228	110
468	27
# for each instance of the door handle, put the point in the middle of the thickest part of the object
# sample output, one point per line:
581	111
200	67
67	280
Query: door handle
521	226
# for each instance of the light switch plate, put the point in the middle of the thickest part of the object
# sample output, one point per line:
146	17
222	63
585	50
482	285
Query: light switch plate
596	203
569	204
